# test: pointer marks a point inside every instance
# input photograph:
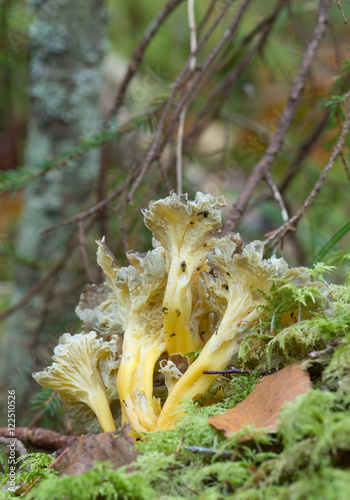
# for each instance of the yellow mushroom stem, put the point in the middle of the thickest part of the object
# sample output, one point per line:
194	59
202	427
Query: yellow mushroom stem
177	305
98	402
135	378
215	355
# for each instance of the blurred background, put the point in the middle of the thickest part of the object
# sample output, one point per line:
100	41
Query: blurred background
91	92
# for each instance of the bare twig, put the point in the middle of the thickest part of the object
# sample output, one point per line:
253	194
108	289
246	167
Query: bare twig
164	175
208	451
207	15
236	371
103	203
178	447
95	208
140	51
192	65
122	212
45	439
211	111
279	234
277	195
34	290
162	135
284	123
346	163
342	12
305	148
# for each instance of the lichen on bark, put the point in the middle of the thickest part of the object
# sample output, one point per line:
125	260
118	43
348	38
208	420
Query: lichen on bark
66	50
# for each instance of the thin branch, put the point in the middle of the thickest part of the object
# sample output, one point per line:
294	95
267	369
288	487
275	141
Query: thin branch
346	164
342	12
161	134
139	53
236	371
34	290
192	65
14	180
225	86
305	148
45	439
95	208
284	123
178	447
122	211
207	15
291	224
277	196
209	451
101	190
164	175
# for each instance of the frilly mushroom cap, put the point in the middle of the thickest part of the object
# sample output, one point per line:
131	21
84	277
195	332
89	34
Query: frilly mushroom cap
76	360
99	311
176	221
142	288
139	293
250	267
107	261
75	373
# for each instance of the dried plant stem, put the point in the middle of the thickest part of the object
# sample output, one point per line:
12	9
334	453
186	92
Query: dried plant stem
290	224
192	65
277	196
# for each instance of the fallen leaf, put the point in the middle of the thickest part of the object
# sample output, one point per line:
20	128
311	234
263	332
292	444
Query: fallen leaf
115	446
262	407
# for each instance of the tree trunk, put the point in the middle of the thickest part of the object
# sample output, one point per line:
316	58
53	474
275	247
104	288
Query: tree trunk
65	81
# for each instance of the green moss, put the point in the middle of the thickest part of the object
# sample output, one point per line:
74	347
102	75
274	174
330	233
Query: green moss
309	458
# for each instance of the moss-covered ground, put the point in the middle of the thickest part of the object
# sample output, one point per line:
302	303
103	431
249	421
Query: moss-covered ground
309	457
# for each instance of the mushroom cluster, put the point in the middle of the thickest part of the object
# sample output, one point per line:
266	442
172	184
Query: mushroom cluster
195	291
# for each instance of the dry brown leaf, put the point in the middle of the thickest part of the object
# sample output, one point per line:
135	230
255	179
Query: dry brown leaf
262	407
115	446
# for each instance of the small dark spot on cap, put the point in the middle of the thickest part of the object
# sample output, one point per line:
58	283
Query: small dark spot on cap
205	214
165	310
183	266
177	312
173	335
